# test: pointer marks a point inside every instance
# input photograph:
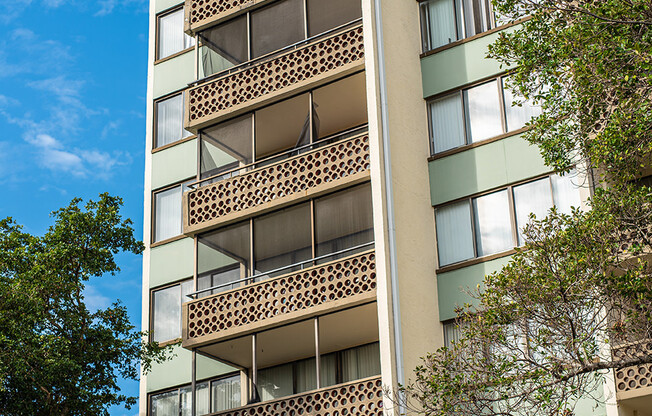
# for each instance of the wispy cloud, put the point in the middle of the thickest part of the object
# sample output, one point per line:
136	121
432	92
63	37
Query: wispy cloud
94	299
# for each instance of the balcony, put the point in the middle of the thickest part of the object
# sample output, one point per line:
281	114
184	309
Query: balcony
292	297
319	170
634	383
361	397
296	69
203	13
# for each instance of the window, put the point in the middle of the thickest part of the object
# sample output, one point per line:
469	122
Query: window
485	225
167	213
169	121
452	333
282	127
224	256
166	310
212	396
475	114
170	36
271	29
336	367
446	21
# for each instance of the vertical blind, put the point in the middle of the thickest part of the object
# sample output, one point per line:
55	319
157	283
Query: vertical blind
171	38
169	121
167	214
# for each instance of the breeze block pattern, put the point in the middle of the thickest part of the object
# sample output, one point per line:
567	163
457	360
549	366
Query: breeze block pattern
251	305
363	397
635	377
268	79
323	167
203	13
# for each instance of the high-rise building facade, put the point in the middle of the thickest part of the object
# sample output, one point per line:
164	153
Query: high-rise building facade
323	179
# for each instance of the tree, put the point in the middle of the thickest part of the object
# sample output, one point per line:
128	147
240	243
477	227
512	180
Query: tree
56	356
575	302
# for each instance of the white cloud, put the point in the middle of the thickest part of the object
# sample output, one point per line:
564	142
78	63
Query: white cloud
111	126
94	299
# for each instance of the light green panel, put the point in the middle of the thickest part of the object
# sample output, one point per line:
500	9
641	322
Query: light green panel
452	287
174	164
210	259
174	74
459	65
171	262
482	168
179	370
165	4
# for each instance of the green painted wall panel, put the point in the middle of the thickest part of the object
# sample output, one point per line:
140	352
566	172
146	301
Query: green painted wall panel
171	262
174	164
178	370
174	74
166	4
482	168
452	287
459	65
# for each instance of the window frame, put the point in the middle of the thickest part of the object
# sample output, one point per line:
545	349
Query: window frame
512	216
179	283
178	388
155	146
152	236
468	143
157	58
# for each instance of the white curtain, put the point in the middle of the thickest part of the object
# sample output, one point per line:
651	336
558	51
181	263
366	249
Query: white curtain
565	193
306	373
360	362
533	197
451	334
454	233
440	22
517	116
275	382
328	369
167	314
166	404
226	393
483	111
171	38
169	120
447	123
168	214
492	223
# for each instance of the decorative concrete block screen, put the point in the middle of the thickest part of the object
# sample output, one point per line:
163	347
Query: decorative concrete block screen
346	282
363	398
635	377
203	13
291	72
324	168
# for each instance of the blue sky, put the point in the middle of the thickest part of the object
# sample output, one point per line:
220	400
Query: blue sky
72	119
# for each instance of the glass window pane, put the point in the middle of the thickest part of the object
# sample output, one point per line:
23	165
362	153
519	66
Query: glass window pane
223	46
201	394
493	227
325	15
477	16
223	256
306	375
167	314
167	221
169	121
343	220
533	197
454	233
438	23
283	126
275	382
274	247
483	112
340	106
225	394
165	404
276	26
226	146
171	38
565	193
328	369
451	334
447	123
516	117
360	362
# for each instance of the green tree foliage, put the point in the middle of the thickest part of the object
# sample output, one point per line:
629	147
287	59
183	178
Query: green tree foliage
56	356
543	331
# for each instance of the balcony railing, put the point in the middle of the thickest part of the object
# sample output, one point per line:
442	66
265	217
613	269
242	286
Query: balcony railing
634	381
203	13
362	397
295	70
308	174
294	296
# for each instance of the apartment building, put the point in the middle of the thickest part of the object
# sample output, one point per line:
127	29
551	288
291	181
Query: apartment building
323	178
